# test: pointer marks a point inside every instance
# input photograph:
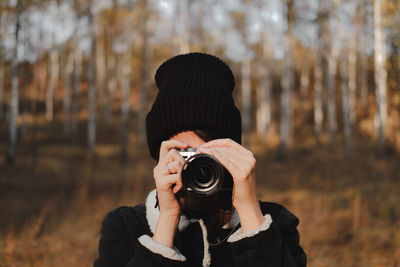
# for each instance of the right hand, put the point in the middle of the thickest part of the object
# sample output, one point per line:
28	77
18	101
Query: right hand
167	176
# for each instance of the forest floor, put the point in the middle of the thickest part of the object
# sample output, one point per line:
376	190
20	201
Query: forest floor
54	197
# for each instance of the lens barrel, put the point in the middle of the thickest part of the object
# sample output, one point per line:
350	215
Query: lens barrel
203	174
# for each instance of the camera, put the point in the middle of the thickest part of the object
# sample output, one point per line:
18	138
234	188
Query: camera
203	174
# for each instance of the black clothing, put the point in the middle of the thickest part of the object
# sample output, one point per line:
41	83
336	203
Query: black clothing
195	93
276	246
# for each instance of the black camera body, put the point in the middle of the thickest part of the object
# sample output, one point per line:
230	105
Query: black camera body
203	174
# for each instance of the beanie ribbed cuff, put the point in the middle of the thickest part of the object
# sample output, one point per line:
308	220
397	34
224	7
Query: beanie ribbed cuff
192	110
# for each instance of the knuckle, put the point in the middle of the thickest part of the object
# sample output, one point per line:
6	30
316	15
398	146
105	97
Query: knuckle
164	143
253	163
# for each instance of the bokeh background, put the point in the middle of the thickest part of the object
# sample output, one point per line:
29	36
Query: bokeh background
317	82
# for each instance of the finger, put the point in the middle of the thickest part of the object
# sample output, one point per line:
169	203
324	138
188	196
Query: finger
229	165
172	155
167	182
226	142
171	182
169	144
173	167
237	155
244	163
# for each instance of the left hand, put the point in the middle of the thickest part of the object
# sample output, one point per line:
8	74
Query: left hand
240	162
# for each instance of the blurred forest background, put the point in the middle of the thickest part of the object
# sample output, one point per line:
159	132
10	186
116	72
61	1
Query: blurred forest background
317	82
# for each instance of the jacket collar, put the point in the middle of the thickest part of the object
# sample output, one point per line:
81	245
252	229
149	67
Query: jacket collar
153	212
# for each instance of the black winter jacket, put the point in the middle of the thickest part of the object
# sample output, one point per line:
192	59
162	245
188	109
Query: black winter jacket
126	241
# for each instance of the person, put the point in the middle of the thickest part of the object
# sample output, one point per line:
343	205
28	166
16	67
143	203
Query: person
194	108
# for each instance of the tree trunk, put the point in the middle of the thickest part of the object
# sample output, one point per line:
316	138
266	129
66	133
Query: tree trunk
246	98
331	108
287	82
67	92
380	75
264	94
2	70
125	105
111	89
13	103
318	111
76	94
363	58
143	88
25	106
352	79
304	86
345	105
54	71
3	29
101	71
91	88
184	11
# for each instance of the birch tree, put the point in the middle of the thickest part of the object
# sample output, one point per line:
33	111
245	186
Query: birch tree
352	75
144	68
3	33
69	66
304	83
287	83
331	105
126	84
246	97
363	56
380	74
54	70
91	80
75	107
322	20
13	102
264	115
264	87
345	104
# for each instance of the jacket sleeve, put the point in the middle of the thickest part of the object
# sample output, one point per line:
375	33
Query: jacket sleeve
275	243
127	247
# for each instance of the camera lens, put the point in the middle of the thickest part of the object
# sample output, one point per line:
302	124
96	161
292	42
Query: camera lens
203	174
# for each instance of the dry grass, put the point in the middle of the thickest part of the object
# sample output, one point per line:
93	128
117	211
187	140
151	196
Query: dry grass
52	206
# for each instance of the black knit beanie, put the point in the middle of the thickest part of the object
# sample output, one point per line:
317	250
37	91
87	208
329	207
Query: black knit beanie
195	93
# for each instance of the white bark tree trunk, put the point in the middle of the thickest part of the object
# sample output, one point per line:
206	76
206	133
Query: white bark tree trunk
380	74
304	85
91	89
246	98
67	92
101	71
13	103
331	105
125	104
318	111
363	58
3	23
287	82
184	11
345	104
54	72
2	69
78	56
111	88
144	69
263	94
352	79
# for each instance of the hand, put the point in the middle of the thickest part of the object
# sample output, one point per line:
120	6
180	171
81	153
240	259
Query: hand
240	162
167	176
